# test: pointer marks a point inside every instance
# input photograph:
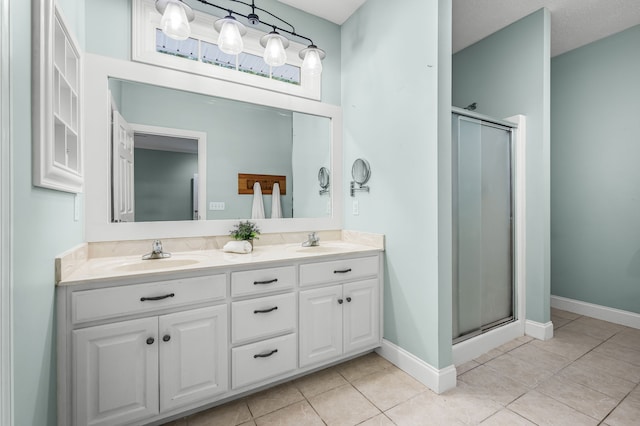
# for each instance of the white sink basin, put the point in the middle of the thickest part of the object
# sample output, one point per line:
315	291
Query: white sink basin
322	248
155	264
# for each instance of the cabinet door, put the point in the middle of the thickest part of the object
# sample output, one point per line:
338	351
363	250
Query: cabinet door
193	356
320	324
116	372
361	315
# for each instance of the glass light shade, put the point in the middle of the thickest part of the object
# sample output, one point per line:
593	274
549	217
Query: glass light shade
230	39
274	53
312	63
174	22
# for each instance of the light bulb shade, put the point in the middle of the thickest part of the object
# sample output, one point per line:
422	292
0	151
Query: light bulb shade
274	45
231	32
312	63
175	18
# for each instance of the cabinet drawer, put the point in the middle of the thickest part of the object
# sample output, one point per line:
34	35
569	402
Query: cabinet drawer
262	280
338	270
259	361
92	305
262	317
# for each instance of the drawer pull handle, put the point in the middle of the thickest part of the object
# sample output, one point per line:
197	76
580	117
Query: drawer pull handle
343	271
265	311
150	341
143	299
265	355
348	299
275	280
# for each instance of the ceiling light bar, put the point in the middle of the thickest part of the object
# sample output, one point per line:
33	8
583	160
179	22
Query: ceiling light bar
176	16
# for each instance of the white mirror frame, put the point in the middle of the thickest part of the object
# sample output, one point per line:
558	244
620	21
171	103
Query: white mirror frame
98	224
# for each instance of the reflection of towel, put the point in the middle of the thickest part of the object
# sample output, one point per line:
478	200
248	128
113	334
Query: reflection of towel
276	208
257	210
237	247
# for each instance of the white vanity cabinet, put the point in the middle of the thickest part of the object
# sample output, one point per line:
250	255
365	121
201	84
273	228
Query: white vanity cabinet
134	353
121	366
116	372
339	319
123	370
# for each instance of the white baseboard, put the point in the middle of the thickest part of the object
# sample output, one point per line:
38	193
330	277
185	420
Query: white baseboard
538	330
470	349
618	316
437	380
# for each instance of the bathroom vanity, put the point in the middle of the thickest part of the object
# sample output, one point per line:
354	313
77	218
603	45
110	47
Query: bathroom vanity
139	341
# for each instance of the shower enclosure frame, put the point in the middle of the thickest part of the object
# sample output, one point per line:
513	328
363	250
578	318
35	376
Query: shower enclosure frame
477	344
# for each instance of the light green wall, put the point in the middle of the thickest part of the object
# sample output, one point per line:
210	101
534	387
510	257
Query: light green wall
43	226
163	188
109	33
391	118
595	192
241	138
508	73
311	150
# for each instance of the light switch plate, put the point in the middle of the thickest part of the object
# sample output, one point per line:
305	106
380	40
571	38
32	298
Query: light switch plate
355	208
216	205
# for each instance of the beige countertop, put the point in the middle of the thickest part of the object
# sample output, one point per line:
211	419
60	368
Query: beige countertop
119	267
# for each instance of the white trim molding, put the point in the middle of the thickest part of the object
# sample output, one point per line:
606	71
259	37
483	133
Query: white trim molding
470	349
538	330
438	380
617	316
6	297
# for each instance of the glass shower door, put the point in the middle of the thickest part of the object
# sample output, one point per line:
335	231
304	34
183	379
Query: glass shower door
482	227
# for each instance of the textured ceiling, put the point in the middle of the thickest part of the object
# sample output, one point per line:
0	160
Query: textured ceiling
574	23
336	11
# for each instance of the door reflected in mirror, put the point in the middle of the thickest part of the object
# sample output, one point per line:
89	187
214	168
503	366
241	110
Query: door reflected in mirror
187	150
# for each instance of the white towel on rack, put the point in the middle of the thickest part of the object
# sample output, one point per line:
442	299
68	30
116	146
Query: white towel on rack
257	210
276	207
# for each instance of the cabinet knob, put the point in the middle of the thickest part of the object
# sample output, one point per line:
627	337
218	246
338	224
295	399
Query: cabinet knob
348	299
150	341
340	301
166	338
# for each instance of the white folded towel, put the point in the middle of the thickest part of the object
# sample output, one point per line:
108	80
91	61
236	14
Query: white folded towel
257	210
237	247
276	207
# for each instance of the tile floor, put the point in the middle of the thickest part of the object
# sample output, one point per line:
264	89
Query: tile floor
588	374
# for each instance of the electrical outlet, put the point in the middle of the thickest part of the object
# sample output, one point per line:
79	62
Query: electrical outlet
355	208
328	207
216	205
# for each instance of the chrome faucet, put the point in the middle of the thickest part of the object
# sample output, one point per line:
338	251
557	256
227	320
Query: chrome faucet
312	241
156	252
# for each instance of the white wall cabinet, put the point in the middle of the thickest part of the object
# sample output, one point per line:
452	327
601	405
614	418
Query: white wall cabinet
137	353
57	120
120	367
338	320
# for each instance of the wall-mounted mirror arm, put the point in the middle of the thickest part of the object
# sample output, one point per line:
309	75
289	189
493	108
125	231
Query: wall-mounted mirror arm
323	180
361	172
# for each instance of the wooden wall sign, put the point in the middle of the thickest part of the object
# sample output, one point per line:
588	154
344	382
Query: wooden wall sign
246	181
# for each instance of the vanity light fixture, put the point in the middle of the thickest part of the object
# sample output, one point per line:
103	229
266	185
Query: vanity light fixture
176	16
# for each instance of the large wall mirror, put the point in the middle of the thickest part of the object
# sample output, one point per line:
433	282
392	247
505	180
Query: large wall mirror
189	139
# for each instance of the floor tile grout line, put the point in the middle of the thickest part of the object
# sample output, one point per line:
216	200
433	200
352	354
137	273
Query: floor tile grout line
620	402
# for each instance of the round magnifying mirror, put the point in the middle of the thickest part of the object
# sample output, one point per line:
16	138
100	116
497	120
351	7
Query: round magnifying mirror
323	177
360	171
